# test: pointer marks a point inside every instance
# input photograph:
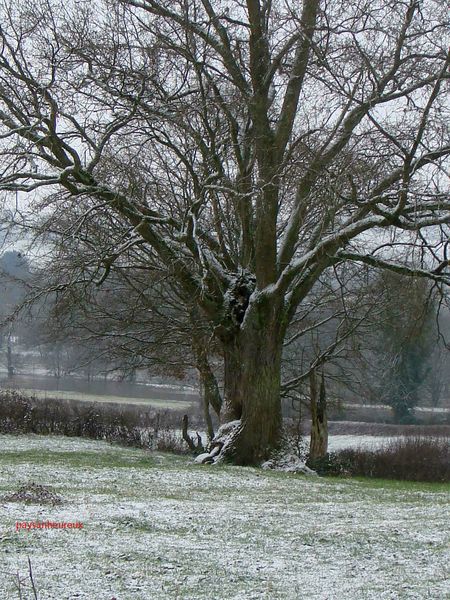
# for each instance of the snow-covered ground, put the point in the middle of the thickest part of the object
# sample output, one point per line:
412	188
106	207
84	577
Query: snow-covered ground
335	442
366	442
425	409
159	404
159	527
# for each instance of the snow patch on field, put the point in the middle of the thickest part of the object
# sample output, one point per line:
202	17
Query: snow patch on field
366	442
50	443
155	403
158	526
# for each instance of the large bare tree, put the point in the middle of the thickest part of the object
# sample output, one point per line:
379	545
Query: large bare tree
247	146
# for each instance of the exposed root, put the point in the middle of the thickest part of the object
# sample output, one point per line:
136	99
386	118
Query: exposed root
222	444
195	446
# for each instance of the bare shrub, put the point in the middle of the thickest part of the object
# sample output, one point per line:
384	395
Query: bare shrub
169	440
15	412
295	438
128	425
412	458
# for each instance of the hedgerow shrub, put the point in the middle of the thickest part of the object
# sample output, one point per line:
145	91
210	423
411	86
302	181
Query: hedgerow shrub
415	458
127	425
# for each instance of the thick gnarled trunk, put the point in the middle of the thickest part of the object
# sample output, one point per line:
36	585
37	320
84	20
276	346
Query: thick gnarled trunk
252	390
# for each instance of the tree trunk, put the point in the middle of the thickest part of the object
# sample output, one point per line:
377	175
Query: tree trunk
318	447
210	396
9	355
252	403
209	389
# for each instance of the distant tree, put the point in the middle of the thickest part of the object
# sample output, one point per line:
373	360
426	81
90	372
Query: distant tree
131	321
14	277
404	342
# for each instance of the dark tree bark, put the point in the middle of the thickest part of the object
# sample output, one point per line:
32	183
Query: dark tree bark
196	447
252	386
209	389
209	394
318	447
9	356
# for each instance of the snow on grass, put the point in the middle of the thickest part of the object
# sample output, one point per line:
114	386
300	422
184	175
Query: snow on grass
159	527
365	442
336	442
85	397
51	443
425	409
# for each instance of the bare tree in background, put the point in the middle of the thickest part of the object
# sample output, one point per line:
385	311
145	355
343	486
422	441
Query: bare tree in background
14	276
247	148
134	321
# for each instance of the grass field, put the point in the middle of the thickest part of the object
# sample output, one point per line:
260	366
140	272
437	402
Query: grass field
160	404
158	527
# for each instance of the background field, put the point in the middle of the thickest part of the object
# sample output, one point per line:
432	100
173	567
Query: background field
159	403
159	396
